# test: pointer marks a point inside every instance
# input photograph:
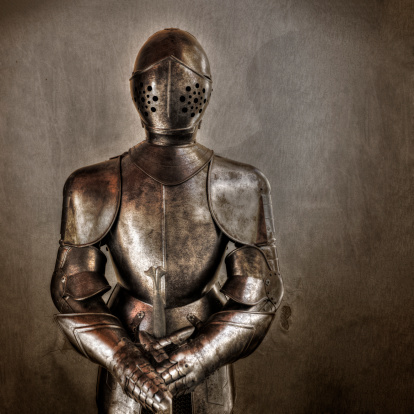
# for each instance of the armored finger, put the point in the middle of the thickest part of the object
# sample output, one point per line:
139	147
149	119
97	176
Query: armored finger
159	354
173	374
159	396
164	406
145	384
146	340
135	394
152	346
142	398
149	402
177	338
173	388
128	386
164	366
158	382
166	376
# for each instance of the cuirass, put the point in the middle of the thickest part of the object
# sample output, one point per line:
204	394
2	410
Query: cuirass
168	227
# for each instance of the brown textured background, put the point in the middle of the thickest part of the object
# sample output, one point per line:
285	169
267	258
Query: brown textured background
316	93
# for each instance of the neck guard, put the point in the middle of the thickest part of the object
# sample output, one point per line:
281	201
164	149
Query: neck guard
170	165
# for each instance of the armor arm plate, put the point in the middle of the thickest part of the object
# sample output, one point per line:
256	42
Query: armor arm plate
251	279
91	198
236	194
255	291
78	279
77	286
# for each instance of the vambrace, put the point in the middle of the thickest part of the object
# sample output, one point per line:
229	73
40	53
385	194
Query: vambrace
255	291
79	275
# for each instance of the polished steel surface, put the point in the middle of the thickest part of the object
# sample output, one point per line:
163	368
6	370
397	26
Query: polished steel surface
125	306
90	203
173	42
167	226
102	339
226	337
79	274
235	198
215	395
166	211
251	279
171	83
170	165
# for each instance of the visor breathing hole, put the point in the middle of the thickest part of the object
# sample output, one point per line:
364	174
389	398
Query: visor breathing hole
182	98
188	89
155	98
184	110
149	88
153	109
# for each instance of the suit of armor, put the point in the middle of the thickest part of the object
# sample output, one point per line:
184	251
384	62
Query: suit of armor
166	210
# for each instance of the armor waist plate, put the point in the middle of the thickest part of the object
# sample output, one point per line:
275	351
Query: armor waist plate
125	307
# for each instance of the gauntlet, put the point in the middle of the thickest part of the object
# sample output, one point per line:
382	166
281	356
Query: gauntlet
77	284
255	291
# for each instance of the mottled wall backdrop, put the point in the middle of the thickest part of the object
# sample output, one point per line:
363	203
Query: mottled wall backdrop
317	93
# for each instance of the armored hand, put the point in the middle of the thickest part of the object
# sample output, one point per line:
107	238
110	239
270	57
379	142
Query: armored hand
255	291
77	284
102	339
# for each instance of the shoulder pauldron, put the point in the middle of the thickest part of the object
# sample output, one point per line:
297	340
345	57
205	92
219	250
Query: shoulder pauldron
91	198
237	195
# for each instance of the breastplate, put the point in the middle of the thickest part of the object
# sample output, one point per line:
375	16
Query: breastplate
166	227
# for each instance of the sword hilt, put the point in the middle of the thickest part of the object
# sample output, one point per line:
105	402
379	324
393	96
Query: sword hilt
158	317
